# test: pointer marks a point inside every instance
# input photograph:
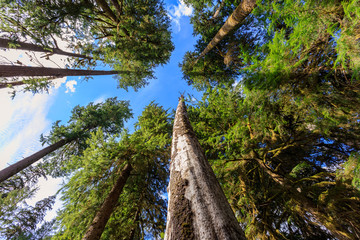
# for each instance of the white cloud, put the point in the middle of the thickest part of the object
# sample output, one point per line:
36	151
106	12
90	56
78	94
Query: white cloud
47	187
99	100
23	120
70	86
58	82
176	12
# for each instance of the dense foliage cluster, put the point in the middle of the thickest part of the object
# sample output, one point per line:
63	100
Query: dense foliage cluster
131	37
282	129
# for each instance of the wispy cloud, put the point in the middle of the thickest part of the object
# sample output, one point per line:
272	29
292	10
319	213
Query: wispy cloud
100	99
23	120
176	12
70	86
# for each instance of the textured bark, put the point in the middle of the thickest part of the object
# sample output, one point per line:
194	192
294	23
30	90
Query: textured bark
197	206
239	14
102	216
4	43
22	164
25	71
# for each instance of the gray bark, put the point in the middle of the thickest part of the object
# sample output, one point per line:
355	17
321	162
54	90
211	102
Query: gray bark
22	164
197	206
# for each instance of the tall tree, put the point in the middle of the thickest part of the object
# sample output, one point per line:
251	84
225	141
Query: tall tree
239	14
25	71
7	43
102	216
140	209
197	206
131	36
109	115
48	74
277	163
224	63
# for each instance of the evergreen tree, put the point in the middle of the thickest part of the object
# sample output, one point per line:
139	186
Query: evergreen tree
7	43
197	207
239	14
278	164
131	37
24	71
140	209
109	115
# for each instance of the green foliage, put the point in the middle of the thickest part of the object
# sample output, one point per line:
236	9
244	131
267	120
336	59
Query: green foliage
351	171
109	115
141	208
273	162
18	219
133	39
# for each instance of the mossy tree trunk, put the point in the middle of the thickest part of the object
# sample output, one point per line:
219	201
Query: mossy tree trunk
197	206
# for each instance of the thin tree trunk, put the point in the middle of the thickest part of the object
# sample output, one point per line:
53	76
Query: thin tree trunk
22	164
102	216
239	14
197	206
4	43
217	11
22	82
25	71
105	7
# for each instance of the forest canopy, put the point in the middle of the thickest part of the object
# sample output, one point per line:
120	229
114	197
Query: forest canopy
278	120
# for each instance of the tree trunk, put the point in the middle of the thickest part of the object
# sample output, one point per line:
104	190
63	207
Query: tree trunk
4	43
197	206
105	7
217	11
102	216
239	14
25	71
22	164
22	82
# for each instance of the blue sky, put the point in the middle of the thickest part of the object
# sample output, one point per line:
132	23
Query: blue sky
27	116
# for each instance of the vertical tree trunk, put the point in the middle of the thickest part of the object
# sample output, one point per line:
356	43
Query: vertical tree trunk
25	71
197	206
22	164
102	216
239	14
4	43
